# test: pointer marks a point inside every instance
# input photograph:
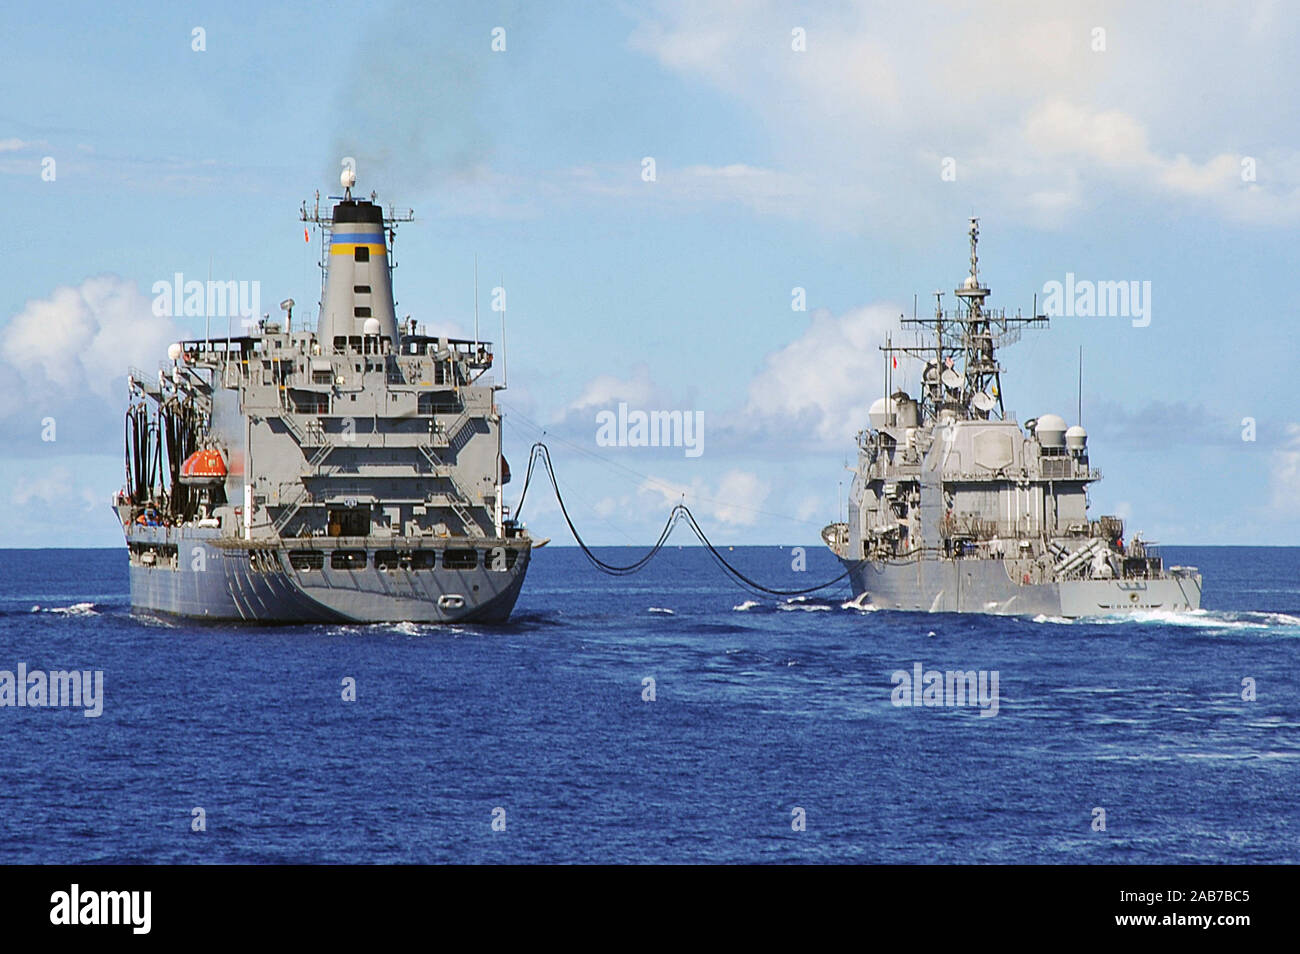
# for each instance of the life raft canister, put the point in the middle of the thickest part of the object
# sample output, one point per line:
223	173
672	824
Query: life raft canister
204	467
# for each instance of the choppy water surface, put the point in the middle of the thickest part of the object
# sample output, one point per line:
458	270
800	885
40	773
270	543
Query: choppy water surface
761	705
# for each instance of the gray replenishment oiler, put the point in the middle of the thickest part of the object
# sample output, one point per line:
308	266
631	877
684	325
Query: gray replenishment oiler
350	474
955	507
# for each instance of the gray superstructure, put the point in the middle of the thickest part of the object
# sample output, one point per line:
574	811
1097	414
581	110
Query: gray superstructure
350	473
955	507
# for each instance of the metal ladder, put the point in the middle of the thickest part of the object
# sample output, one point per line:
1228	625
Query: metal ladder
459	500
292	508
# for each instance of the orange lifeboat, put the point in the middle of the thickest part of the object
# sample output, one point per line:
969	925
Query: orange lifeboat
204	467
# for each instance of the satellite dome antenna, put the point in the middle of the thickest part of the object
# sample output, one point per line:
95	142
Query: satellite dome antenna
347	179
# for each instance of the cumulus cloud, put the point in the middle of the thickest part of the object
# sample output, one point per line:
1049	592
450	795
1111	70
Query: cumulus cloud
65	357
736	500
79	341
1040	113
814	391
1114	141
821	385
605	390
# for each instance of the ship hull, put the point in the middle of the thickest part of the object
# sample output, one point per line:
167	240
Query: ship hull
220	580
985	586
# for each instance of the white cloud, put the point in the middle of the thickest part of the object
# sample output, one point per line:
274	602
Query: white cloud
605	390
1115	142
1111	137
1037	120
78	343
740	494
816	390
736	500
824	381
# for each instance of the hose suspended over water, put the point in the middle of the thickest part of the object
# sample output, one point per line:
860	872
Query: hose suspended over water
542	452
680	512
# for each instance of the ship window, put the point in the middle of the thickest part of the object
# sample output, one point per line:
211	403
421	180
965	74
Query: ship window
392	559
361	254
307	560
348	559
361	311
340	343
427	403
322	377
424	559
349	522
459	559
361	289
309	402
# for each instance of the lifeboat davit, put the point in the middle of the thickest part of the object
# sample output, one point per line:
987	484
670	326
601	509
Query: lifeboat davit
204	467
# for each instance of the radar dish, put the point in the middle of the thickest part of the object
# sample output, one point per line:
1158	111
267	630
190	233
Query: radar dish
952	379
983	401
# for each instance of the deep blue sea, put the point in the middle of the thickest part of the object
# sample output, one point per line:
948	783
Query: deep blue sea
761	706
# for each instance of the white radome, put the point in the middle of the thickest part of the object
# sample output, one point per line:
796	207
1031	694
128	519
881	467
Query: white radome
174	351
880	410
348	178
1051	430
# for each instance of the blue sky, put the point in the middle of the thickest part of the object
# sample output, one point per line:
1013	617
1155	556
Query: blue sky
776	168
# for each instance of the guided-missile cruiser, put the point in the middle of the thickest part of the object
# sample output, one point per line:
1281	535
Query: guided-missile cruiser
957	507
350	473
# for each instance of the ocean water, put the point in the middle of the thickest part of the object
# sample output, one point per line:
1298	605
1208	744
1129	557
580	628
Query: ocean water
762	706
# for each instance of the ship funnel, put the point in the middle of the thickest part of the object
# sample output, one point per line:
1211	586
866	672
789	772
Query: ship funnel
357	310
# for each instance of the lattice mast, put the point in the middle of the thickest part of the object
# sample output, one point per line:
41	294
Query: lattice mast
961	373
